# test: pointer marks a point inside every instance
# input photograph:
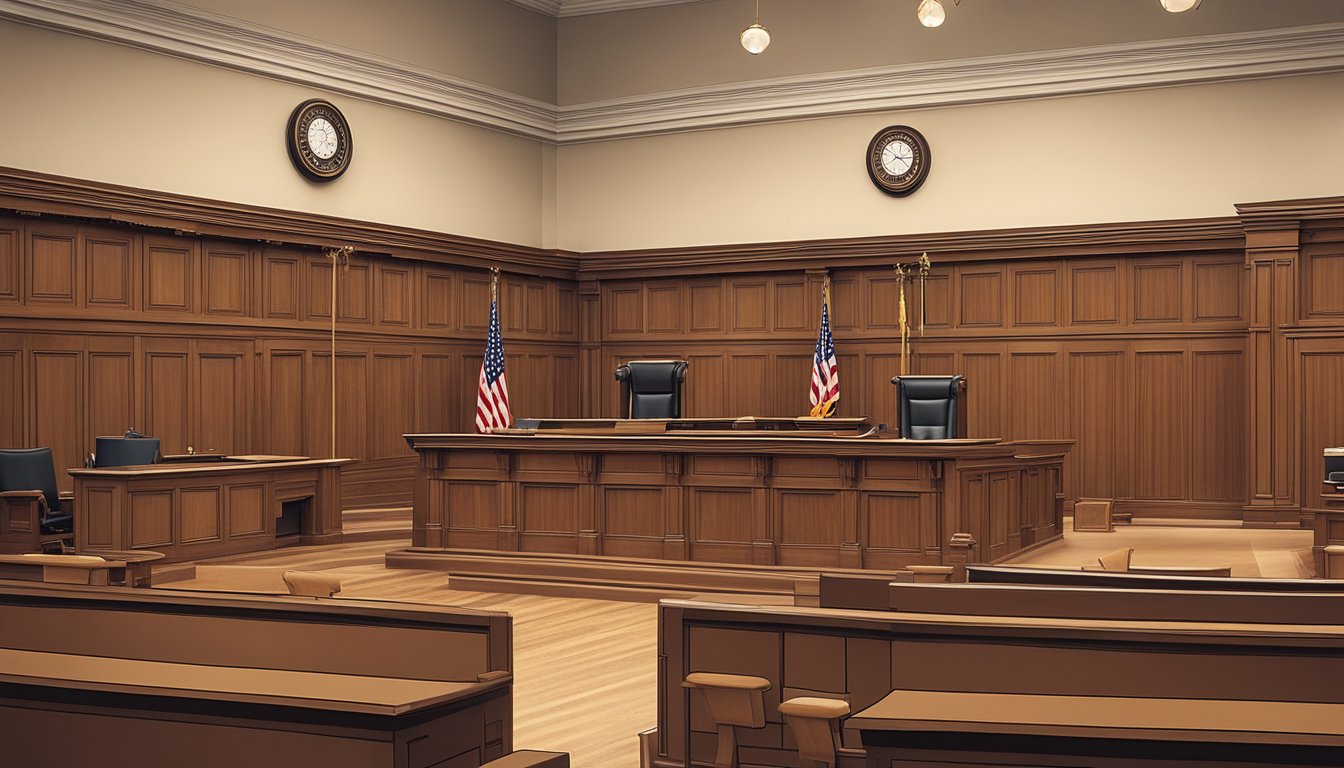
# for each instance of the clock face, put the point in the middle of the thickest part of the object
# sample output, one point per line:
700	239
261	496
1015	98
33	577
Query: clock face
898	160
322	138
897	157
319	140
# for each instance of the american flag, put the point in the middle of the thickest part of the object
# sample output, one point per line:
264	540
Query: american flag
492	394
825	374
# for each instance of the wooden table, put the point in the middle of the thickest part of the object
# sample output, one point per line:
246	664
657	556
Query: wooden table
977	728
193	511
139	565
725	494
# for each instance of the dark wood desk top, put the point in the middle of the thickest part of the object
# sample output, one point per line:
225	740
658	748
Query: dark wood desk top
204	468
746	441
1205	720
384	696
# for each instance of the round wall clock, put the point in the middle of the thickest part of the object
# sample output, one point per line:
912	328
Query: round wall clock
898	160
319	140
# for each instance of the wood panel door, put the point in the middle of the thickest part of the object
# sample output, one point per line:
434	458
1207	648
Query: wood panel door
110	398
167	393
222	396
56	383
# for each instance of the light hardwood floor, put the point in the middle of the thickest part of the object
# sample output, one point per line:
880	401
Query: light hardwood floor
586	669
1252	553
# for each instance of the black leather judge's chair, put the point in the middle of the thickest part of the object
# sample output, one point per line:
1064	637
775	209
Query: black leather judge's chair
651	389
129	451
927	406
32	514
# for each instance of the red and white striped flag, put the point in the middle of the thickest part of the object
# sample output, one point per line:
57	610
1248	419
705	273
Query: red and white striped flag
492	393
825	373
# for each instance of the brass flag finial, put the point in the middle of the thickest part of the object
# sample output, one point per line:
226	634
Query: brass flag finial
920	269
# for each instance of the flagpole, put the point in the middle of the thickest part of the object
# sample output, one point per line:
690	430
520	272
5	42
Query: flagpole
339	256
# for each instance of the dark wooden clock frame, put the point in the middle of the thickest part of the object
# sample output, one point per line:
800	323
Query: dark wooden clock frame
296	141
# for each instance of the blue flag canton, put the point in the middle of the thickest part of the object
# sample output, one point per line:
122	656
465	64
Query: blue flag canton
494	348
825	342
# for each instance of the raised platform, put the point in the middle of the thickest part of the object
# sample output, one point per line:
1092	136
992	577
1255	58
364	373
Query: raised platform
614	578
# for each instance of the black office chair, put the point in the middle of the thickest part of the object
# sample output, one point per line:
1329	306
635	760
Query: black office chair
927	406
32	516
651	389
127	451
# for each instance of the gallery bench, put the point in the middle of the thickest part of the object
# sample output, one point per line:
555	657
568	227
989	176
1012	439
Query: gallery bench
164	678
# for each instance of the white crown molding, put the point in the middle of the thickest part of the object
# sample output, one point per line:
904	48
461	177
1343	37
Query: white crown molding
168	28
208	38
546	7
566	8
1099	69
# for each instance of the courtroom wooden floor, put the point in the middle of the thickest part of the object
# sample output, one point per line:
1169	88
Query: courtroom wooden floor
585	669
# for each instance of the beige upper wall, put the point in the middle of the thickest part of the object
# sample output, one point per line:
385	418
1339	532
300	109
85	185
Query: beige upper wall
682	46
92	110
485	41
1142	155
106	112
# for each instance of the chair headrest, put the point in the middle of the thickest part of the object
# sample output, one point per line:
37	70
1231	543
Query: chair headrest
929	387
655	376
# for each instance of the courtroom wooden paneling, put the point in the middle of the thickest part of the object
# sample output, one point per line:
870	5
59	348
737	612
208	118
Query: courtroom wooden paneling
770	498
219	345
1139	359
1220	311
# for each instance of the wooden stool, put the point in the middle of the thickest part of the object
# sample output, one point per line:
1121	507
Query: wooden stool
1092	515
816	726
1334	562
931	574
733	700
310	584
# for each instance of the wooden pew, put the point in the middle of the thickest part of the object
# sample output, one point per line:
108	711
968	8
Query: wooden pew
1094	602
942	728
156	678
1046	602
995	574
863	656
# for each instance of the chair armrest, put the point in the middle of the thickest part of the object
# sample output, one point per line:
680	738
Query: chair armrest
20	505
25	497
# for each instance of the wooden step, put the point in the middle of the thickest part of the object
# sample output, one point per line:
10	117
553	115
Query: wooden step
610	578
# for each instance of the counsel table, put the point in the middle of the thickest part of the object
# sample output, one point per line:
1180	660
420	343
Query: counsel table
789	492
190	511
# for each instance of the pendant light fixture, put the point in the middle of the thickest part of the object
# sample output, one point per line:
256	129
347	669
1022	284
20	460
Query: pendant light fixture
931	13
1179	6
754	38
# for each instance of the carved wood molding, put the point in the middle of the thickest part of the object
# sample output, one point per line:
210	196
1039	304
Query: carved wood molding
31	192
39	193
1279	214
1076	241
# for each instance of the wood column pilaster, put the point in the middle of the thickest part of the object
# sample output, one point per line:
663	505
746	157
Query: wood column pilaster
1272	249
591	385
